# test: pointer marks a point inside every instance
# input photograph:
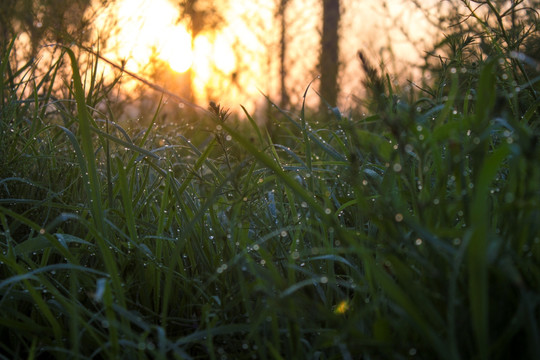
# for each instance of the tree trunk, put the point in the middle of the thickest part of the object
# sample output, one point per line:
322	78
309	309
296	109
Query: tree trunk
329	61
284	101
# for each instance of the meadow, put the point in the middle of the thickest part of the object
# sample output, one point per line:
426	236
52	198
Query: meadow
408	232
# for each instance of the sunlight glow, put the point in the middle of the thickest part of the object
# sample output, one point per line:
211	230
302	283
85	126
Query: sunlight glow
177	50
150	29
223	55
143	31
202	52
238	60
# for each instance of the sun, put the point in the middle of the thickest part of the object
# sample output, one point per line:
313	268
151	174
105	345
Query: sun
177	49
149	29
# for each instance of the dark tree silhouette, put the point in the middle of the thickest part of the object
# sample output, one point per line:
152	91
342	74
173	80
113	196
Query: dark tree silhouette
329	60
201	15
284	101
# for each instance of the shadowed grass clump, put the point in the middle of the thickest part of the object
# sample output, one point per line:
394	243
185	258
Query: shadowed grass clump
409	233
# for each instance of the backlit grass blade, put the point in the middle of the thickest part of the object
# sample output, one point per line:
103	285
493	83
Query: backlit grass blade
271	164
126	144
93	187
486	93
204	156
307	143
293	155
127	199
305	130
253	125
187	229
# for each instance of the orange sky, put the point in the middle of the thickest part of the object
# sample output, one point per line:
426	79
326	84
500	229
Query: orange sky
240	60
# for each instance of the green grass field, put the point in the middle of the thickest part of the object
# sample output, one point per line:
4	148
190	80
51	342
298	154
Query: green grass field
412	232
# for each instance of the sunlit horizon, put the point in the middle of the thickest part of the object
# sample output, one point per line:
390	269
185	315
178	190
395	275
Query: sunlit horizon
150	29
237	61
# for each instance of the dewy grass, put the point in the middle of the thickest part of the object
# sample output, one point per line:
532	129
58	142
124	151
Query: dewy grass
412	232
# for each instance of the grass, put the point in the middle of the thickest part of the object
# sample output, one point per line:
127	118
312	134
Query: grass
408	233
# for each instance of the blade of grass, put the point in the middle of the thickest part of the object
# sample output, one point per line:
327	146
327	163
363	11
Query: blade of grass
92	187
478	249
127	201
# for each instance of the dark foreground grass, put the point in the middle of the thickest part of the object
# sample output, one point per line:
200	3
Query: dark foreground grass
411	233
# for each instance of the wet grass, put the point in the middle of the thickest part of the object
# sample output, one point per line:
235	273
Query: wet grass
411	232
